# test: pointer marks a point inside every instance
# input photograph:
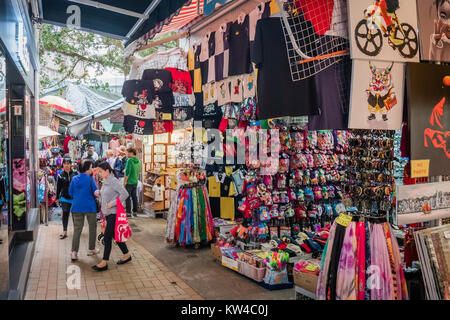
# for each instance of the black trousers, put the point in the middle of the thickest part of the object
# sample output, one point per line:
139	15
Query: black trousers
66	213
131	188
109	236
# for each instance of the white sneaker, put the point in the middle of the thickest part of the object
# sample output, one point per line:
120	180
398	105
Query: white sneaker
74	255
93	252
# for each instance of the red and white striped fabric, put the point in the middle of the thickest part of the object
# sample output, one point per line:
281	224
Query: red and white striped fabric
186	15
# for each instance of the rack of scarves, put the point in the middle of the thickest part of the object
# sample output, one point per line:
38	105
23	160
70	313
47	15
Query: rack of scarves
361	261
190	220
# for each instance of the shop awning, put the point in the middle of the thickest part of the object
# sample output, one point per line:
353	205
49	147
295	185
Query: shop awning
125	20
83	125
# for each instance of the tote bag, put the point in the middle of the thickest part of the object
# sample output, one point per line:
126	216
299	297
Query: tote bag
123	229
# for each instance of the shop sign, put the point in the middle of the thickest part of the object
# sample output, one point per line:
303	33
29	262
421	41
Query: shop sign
22	48
420	168
18	110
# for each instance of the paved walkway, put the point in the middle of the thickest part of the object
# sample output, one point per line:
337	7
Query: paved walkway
144	277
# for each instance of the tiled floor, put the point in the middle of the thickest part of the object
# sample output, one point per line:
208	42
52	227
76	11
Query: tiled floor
143	278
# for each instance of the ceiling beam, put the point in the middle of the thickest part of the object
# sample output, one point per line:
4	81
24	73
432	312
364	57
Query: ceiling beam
147	13
100	5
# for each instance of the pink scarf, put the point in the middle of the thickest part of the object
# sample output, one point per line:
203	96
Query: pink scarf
380	280
360	272
345	285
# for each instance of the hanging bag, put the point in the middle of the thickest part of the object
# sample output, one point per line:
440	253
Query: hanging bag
123	230
97	203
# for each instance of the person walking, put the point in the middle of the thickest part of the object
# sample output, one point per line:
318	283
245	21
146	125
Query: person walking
81	190
110	191
110	157
130	182
62	193
121	162
90	153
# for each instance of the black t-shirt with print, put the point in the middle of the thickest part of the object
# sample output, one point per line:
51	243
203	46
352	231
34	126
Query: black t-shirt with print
164	102
210	115
162	79
239	43
137	126
182	113
138	91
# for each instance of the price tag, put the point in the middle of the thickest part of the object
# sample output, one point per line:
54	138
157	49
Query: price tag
311	267
344	220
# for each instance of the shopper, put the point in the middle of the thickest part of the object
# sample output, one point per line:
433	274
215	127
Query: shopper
121	161
110	157
110	191
132	170
81	190
62	193
92	155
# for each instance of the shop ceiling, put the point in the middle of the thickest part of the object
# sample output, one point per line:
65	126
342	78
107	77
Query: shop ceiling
119	19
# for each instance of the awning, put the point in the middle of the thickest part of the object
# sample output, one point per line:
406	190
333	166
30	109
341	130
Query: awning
120	19
186	15
57	103
44	132
83	125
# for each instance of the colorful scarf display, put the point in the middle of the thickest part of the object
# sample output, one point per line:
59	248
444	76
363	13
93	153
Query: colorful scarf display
190	216
361	262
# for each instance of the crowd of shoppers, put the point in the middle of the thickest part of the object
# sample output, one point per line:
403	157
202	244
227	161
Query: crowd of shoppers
78	193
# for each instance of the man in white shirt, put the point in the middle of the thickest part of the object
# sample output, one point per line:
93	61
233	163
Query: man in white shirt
94	154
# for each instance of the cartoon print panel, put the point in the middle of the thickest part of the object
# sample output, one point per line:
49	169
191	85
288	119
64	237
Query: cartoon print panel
434	28
428	94
377	95
384	30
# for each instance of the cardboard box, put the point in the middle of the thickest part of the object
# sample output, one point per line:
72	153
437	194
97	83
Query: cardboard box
215	252
306	281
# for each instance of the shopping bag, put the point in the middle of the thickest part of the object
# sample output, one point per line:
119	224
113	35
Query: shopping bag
123	229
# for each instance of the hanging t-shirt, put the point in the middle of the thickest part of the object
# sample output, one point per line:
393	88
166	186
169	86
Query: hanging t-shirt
239	48
278	95
182	82
182	113
139	126
209	93
183	100
248	85
138	91
223	92
197	74
204	53
236	89
211	59
159	192
210	115
333	112
162	127
143	111
191	59
164	102
222	199
162	79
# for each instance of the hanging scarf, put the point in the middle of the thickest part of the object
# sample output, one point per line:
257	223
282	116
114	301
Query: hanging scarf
325	264
172	215
334	262
403	289
209	217
395	276
368	228
203	220
179	215
345	284
189	214
196	207
360	279
182	238
381	278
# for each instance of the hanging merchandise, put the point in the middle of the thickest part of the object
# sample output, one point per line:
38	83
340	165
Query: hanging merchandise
139	126
142	111
239	47
139	92
190	220
275	85
354	250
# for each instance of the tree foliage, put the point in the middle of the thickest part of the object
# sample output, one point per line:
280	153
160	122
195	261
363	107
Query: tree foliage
69	51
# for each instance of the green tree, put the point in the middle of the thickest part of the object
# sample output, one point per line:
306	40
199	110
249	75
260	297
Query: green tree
68	50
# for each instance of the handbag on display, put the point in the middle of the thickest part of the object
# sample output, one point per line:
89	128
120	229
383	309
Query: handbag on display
122	231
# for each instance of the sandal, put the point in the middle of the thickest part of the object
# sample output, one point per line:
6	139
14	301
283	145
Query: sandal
62	236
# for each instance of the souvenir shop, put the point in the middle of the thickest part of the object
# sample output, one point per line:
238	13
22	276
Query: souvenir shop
304	147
